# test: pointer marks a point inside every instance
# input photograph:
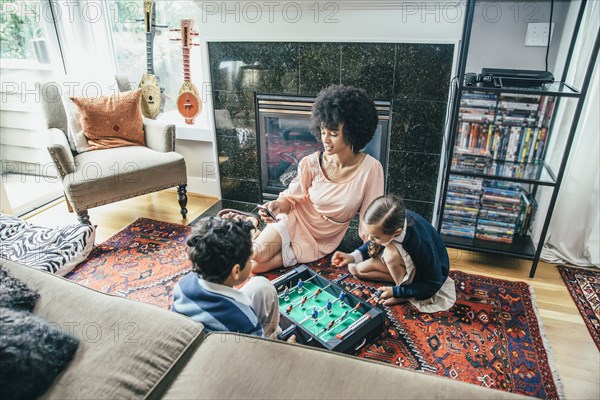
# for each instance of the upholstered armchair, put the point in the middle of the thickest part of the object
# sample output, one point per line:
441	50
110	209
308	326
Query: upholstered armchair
98	177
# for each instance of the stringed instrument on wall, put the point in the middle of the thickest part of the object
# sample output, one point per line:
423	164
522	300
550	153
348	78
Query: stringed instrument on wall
153	96
188	101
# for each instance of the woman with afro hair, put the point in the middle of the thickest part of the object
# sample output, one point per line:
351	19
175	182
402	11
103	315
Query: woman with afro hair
332	185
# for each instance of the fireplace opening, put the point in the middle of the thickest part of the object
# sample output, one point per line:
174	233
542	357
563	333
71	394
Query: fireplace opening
283	126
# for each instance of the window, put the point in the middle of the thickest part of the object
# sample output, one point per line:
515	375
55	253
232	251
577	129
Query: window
28	43
129	42
23	32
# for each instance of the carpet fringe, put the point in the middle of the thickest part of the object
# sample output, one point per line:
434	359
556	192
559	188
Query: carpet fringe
557	381
589	268
567	273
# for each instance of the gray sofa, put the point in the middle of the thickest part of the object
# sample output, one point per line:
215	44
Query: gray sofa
134	350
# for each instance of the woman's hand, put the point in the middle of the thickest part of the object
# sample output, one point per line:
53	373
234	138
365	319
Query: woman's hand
274	208
340	259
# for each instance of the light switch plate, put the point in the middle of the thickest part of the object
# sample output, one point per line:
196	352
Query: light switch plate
537	34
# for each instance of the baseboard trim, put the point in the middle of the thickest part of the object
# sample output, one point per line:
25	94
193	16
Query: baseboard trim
204	187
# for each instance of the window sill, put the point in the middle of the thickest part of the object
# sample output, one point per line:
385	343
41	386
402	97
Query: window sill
200	131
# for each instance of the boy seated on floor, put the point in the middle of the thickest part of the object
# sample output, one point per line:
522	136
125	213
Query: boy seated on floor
220	251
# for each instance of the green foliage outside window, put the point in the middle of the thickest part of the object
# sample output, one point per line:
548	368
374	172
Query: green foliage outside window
19	23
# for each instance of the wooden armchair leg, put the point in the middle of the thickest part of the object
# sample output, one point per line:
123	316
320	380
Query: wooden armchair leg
182	199
69	207
83	217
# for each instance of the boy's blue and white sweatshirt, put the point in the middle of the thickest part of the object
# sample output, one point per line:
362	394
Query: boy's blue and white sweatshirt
217	307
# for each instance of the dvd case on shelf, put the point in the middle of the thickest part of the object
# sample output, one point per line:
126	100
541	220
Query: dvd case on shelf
500	209
487	209
508	127
462	206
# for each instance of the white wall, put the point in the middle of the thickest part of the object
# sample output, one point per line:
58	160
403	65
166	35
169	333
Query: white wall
499	30
410	21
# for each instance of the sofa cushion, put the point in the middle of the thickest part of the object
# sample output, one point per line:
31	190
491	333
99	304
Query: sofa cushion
234	366
126	348
112	121
32	354
15	294
56	250
77	86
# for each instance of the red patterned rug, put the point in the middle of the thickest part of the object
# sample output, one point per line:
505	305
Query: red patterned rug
584	286
142	262
491	337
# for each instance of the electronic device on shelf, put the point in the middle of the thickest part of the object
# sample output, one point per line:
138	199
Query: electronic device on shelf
500	78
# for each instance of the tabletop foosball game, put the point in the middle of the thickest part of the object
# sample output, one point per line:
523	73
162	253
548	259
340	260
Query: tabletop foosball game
322	314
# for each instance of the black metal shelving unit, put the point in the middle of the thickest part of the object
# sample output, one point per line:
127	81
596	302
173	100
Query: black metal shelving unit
536	175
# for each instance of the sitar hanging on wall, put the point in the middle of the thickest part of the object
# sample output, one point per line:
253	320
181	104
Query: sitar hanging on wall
188	102
153	97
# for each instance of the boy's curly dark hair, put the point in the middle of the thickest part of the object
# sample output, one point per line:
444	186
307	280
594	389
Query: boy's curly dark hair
336	104
217	244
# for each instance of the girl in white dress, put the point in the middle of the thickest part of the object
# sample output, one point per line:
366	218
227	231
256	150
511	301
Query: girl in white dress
403	248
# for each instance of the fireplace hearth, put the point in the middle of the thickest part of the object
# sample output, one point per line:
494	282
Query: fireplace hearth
283	126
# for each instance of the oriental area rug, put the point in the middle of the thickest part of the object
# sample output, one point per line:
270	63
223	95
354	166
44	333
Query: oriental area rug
584	286
142	262
491	337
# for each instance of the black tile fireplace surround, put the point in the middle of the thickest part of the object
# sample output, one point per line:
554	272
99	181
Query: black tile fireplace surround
414	77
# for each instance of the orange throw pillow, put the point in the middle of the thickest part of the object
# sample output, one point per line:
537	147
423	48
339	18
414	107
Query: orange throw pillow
112	121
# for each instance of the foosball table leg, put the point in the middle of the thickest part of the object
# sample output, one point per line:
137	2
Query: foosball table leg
361	344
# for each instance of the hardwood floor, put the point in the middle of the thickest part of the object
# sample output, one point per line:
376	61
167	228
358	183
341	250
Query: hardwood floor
111	218
576	357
